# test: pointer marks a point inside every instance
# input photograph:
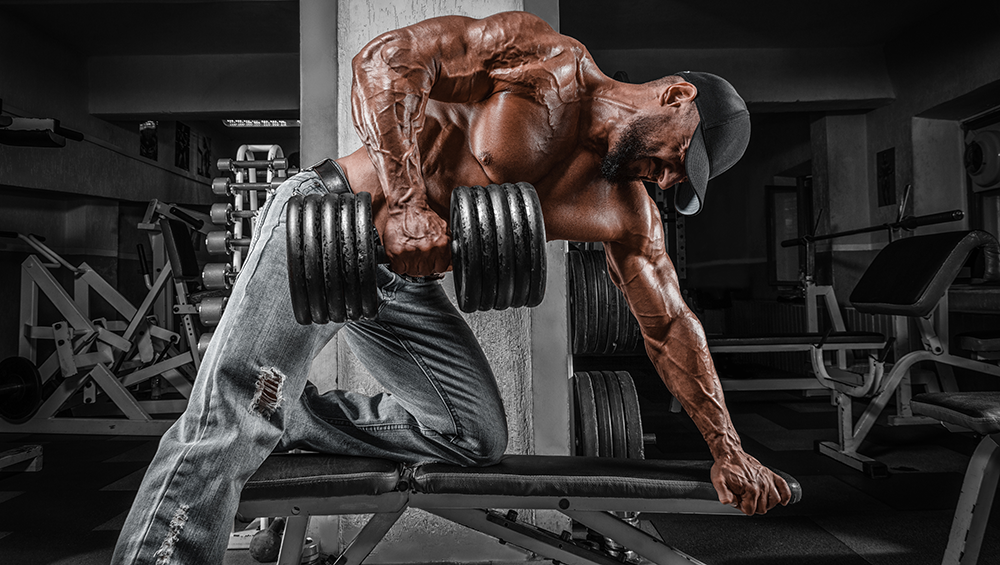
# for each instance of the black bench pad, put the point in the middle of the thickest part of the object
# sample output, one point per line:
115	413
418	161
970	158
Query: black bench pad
979	411
571	476
315	475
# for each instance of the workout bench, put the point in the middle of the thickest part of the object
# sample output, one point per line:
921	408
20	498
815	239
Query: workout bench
589	490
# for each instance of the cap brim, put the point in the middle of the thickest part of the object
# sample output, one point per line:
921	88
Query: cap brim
689	195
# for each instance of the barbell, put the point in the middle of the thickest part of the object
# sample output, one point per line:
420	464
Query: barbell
497	246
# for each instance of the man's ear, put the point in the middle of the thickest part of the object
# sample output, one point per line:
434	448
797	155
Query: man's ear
678	93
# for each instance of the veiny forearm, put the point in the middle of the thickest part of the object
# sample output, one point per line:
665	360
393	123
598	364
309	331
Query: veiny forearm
685	365
389	95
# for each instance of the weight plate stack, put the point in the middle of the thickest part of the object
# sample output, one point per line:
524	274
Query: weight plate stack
332	258
601	320
607	422
498	247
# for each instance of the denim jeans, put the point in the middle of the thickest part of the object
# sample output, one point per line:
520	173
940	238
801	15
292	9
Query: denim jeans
252	397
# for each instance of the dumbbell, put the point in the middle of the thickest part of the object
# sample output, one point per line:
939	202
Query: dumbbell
20	390
222	213
224	186
233	164
497	246
218	276
222	242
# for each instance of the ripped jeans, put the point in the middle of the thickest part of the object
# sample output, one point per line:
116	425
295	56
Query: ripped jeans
252	397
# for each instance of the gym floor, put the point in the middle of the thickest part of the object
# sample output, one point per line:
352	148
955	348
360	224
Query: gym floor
72	510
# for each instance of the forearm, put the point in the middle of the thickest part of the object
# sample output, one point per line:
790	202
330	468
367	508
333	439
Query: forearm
685	365
388	99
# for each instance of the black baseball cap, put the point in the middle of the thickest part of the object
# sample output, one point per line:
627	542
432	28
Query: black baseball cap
719	141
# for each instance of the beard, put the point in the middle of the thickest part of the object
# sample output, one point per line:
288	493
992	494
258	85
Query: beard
631	147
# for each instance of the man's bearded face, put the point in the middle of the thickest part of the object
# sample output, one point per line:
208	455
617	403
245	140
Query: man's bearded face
631	147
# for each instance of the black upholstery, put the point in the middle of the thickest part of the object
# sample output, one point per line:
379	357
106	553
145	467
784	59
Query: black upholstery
180	250
797	339
582	477
314	475
909	276
978	411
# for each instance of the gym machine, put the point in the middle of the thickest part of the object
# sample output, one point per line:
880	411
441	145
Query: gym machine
100	376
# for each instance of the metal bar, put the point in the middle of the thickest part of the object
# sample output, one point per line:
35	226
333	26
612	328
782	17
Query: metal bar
29	315
368	537
118	394
88	426
109	293
154	370
973	510
293	539
55	293
522	536
632	538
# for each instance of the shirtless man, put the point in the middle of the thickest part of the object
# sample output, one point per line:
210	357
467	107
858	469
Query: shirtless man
447	102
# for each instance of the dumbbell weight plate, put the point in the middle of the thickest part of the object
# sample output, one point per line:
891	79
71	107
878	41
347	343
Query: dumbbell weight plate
203	342
312	258
586	415
349	254
487	248
332	261
604	442
506	262
605	306
536	230
578	318
296	266
633	417
217	242
20	390
210	310
220	213
466	264
590	295
619	438
366	254
522	245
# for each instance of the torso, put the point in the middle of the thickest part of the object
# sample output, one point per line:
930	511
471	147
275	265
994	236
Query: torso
528	131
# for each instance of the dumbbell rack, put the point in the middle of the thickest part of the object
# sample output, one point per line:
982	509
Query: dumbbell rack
246	191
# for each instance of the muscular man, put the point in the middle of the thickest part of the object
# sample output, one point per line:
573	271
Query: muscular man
452	101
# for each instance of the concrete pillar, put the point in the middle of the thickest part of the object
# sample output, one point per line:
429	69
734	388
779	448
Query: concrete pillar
528	349
842	195
318	66
938	171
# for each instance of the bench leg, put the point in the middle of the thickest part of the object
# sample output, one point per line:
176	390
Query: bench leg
292	540
973	511
368	537
632	538
526	536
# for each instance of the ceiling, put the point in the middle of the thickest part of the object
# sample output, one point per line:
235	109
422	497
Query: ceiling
182	27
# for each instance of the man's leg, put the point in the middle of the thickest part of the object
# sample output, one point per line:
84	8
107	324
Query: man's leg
441	401
259	356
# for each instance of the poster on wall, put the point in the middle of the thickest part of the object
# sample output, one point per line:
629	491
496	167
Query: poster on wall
182	147
204	163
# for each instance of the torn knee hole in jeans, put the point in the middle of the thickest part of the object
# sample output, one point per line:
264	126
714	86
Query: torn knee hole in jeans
166	550
267	397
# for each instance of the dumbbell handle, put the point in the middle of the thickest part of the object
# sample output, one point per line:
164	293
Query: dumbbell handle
230	164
